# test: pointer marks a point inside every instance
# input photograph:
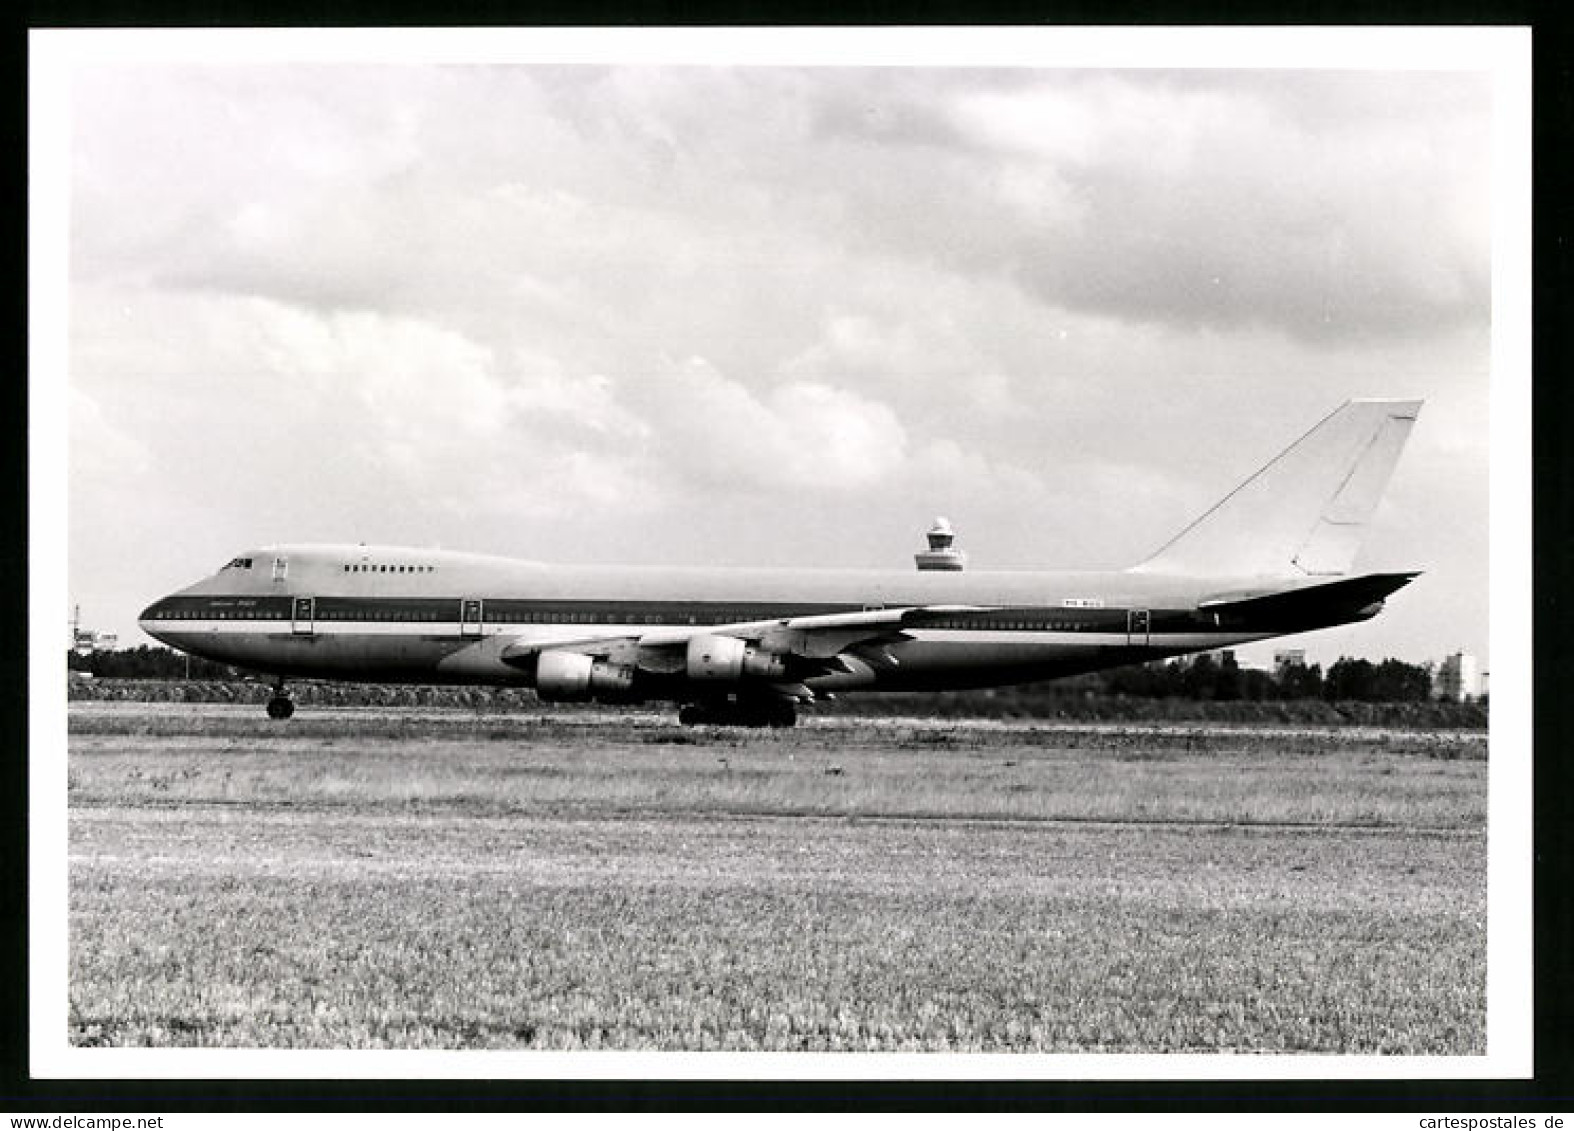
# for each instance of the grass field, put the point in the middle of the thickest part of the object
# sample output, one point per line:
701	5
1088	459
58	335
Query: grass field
429	878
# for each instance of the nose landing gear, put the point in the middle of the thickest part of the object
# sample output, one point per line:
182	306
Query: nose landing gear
281	706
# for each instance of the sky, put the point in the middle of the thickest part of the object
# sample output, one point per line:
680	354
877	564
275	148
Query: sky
765	314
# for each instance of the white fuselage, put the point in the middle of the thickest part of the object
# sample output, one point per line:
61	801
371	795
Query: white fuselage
402	614
1270	558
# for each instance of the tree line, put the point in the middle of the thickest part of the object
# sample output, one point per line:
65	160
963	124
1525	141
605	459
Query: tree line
1207	677
146	662
1220	677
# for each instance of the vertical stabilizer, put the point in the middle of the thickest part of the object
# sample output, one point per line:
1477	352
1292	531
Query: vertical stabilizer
1306	512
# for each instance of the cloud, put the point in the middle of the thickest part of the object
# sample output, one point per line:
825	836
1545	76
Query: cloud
718	435
1223	206
1310	205
347	412
1219	207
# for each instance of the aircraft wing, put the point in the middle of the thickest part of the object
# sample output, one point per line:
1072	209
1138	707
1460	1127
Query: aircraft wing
818	637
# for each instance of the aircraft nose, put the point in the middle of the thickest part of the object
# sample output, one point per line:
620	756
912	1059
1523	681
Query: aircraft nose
151	620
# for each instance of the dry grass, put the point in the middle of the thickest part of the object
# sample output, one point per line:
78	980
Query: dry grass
509	883
489	764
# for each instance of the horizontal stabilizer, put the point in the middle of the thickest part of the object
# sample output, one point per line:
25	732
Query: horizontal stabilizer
1312	606
1307	511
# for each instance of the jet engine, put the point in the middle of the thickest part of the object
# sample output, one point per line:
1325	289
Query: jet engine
564	676
726	659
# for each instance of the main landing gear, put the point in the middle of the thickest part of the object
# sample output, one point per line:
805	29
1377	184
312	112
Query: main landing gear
775	712
281	706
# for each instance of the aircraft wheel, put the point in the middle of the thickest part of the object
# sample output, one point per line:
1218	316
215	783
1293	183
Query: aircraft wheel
692	715
782	713
280	707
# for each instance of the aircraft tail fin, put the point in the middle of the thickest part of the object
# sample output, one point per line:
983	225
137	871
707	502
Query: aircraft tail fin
1306	512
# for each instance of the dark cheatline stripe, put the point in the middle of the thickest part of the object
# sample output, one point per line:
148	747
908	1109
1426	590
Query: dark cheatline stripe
510	611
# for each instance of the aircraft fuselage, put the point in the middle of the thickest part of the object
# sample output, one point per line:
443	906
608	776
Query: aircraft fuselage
747	644
427	616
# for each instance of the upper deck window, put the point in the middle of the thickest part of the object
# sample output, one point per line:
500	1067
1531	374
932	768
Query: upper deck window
238	563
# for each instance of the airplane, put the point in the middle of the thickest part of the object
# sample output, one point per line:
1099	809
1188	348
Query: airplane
746	647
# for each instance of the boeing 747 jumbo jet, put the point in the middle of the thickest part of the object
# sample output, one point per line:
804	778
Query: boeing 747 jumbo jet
746	646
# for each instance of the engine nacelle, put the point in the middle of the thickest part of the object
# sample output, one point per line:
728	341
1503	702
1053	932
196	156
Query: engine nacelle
726	659
563	675
568	676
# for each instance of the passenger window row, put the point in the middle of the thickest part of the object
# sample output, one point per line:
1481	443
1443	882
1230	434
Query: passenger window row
223	614
978	623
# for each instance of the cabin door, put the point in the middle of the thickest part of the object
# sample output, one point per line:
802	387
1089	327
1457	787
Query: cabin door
470	616
302	613
1137	627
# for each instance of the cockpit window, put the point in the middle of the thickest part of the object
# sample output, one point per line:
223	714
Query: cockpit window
239	563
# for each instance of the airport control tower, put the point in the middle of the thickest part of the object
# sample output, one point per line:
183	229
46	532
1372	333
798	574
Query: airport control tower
941	553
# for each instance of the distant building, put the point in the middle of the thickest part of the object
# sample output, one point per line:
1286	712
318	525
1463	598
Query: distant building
941	554
1289	658
1458	678
84	641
